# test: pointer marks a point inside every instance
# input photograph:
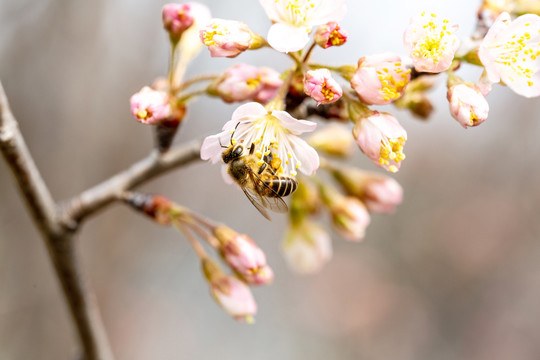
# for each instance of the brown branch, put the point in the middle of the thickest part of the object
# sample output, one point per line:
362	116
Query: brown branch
58	239
101	195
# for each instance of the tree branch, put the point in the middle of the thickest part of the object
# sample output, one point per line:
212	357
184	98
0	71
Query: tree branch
101	195
58	239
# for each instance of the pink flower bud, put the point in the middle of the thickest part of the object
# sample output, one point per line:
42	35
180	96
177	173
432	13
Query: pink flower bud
307	247
321	86
330	34
467	104
177	18
226	38
380	78
150	106
381	138
350	218
243	82
378	192
230	293
243	256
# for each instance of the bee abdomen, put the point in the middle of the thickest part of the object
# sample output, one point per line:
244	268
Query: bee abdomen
282	185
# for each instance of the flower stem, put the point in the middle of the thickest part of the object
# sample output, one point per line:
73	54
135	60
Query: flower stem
196	79
201	253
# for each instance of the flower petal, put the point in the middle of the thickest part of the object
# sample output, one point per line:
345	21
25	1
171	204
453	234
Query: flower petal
296	127
212	146
247	111
269	7
286	38
307	155
329	11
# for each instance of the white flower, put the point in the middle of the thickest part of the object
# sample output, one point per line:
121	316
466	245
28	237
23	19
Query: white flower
294	19
273	132
510	52
431	43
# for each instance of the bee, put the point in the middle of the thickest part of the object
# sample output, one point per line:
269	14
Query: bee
258	179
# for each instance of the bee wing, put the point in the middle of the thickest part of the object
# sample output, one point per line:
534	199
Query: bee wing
257	201
273	203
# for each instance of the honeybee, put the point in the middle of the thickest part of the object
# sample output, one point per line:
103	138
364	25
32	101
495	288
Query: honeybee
258	179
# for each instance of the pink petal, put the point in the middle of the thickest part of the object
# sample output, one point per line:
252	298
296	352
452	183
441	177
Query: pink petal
286	38
296	127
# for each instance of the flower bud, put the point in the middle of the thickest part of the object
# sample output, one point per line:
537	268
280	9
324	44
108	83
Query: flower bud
380	78
330	34
243	256
378	192
177	18
334	139
307	247
149	106
157	207
230	293
243	82
321	86
381	138
467	104
226	38
350	217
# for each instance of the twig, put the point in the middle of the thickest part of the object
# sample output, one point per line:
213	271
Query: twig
101	195
58	239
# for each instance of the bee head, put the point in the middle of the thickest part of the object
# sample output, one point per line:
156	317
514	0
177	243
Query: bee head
233	152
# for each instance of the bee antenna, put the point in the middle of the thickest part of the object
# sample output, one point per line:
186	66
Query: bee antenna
220	144
232	134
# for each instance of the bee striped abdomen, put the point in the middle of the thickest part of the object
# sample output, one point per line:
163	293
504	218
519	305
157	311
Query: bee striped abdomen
282	185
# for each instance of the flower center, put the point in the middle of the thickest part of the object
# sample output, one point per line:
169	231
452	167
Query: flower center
336	38
217	29
434	42
253	83
144	114
327	92
391	87
392	150
518	55
296	12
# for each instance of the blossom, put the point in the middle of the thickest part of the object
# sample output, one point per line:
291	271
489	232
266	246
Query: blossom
226	38
431	43
510	52
350	218
294	19
335	139
150	106
307	247
467	104
330	34
273	131
246	82
243	256
321	86
179	17
381	138
231	294
378	192
380	79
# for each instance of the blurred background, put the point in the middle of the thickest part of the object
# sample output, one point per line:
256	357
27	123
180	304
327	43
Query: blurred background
453	274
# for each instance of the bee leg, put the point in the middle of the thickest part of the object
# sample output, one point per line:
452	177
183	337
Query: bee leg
261	169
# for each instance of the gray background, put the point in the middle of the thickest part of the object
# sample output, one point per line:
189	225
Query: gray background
453	274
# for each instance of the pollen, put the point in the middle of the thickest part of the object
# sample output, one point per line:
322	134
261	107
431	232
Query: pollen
253	83
144	114
392	151
327	92
392	82
217	29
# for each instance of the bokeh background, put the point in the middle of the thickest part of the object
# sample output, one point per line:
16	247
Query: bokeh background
453	274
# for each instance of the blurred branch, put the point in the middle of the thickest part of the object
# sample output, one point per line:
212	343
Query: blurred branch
101	195
58	239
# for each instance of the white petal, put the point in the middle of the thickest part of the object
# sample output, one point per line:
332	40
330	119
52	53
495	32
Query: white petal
287	38
247	111
212	146
305	154
521	86
329	11
485	84
295	126
269	7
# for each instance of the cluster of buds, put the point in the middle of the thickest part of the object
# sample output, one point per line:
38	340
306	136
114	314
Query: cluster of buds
238	251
